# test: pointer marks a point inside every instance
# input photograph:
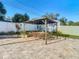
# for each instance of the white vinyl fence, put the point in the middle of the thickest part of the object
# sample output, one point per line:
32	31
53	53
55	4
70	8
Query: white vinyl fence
9	26
72	30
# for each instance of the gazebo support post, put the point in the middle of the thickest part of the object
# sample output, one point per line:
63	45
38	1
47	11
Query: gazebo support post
57	30
24	30
46	31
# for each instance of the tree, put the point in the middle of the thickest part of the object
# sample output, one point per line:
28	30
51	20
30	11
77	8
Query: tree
26	17
76	23
17	18
51	16
20	18
70	23
63	21
2	12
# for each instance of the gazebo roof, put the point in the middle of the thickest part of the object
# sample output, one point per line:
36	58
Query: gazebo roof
41	21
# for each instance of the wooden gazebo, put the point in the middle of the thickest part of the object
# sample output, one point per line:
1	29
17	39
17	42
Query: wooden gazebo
43	21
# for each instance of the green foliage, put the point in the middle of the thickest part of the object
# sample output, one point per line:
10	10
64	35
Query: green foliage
8	33
76	23
2	12
51	16
63	21
65	35
26	17
20	18
70	23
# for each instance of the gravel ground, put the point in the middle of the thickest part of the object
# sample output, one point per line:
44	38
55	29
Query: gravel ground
56	49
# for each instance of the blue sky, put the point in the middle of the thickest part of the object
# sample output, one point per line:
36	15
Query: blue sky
37	8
